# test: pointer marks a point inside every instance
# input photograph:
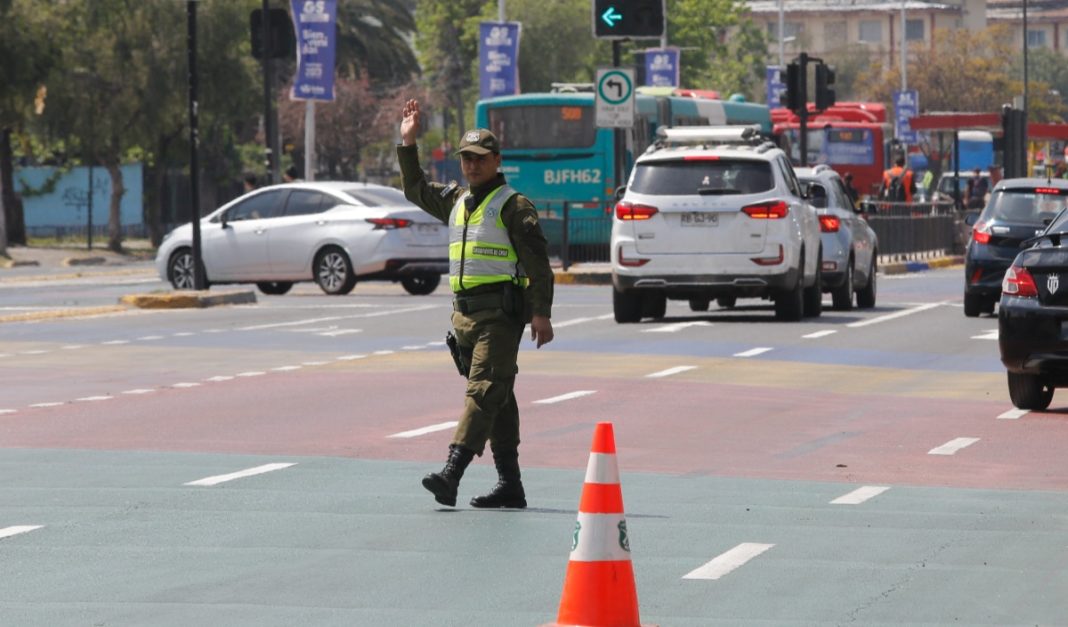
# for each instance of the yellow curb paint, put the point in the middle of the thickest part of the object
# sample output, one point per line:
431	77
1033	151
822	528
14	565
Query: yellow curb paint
32	316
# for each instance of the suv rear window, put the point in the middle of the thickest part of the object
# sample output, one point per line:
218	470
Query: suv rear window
1027	205
702	176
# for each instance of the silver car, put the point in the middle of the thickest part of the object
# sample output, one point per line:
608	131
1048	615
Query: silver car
850	246
334	233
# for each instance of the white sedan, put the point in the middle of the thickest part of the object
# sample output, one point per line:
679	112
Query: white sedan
334	233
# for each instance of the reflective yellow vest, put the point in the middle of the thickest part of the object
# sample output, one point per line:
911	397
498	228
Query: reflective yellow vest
480	251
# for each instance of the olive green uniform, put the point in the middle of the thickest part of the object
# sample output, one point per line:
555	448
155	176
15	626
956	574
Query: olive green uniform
491	334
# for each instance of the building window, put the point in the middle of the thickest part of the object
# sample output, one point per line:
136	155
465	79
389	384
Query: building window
871	31
835	31
913	30
791	29
1036	39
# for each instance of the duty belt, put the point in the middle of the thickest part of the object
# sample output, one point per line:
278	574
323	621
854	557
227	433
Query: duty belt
478	302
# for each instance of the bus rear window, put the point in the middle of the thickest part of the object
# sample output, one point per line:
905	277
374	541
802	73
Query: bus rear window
721	177
548	126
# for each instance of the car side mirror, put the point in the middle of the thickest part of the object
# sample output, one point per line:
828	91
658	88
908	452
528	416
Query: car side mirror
622	189
971	218
222	220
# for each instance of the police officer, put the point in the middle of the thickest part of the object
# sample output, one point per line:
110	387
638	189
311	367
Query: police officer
501	280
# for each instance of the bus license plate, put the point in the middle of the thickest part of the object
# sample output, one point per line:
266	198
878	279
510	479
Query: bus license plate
696	218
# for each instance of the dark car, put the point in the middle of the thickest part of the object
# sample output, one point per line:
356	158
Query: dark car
1033	318
1018	210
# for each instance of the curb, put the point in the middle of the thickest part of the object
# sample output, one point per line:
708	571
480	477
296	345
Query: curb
188	300
563	277
83	261
7	263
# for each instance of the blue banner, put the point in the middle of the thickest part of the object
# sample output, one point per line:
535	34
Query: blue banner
776	88
498	59
315	25
906	105
662	67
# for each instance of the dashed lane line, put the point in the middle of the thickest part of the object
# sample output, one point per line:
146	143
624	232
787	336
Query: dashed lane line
7	532
441	426
1013	414
7	411
241	474
43	405
669	372
894	316
819	334
728	561
138	391
987	335
951	447
677	326
565	397
753	352
860	495
93	399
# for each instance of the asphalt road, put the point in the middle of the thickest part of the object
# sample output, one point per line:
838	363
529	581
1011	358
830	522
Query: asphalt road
864	467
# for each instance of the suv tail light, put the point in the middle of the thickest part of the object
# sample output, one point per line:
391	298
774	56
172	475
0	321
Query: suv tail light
631	211
389	223
1019	282
981	233
830	224
772	210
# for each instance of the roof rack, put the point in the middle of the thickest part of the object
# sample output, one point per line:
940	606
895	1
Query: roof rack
572	88
706	135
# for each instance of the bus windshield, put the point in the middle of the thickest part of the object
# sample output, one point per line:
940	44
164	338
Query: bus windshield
543	126
835	146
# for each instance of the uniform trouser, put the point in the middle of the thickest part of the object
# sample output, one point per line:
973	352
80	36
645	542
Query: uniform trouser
490	411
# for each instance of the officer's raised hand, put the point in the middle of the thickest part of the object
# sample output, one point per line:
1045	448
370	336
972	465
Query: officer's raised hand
410	121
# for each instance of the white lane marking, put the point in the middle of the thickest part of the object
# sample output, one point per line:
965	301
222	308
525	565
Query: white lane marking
219	378
7	532
312	329
441	426
148	338
33	352
565	397
373	314
413	347
728	561
858	496
186	385
40	405
1013	414
183	334
115	342
753	352
350	357
314	363
69	348
819	334
212	331
6	355
249	472
140	391
383	352
987	335
436	343
286	368
895	315
90	399
669	372
574	321
6	411
252	373
678	326
340	332
951	447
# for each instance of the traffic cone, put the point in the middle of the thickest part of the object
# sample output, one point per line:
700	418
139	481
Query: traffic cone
599	586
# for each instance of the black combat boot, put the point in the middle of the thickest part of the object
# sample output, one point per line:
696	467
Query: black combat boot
509	489
444	484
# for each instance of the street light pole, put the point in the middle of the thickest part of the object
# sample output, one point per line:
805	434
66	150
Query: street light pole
199	280
782	23
904	51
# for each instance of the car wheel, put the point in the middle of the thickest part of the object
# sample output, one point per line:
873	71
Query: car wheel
700	303
180	270
421	284
654	305
988	305
627	306
813	306
790	304
274	288
727	302
1027	391
973	305
866	295
333	272
842	296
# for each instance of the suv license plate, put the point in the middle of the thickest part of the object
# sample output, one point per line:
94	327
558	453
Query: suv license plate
696	218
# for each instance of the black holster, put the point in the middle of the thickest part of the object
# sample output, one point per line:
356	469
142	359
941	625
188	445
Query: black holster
460	356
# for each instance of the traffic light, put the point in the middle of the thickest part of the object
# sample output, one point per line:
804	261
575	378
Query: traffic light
1014	128
824	93
622	19
283	42
795	98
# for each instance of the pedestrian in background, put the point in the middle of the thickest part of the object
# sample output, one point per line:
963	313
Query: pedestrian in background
854	195
250	182
501	280
290	175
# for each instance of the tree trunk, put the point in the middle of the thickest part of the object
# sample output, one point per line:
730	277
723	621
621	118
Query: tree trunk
12	222
114	213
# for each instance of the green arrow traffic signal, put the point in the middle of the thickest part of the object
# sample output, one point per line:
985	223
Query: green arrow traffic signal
610	17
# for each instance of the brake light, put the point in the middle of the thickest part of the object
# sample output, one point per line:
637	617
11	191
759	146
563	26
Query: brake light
981	233
631	263
1019	282
769	261
389	223
631	211
772	210
1048	190
829	224
701	158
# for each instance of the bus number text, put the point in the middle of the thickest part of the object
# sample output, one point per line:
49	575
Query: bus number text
586	175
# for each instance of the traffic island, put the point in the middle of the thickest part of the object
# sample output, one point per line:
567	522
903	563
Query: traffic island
188	299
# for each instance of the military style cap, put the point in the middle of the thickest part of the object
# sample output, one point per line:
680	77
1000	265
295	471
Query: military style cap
479	141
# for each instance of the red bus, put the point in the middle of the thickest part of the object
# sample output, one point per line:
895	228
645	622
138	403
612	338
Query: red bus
850	137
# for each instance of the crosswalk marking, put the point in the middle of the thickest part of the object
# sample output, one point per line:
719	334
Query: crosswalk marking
258	470
858	496
951	447
441	426
728	561
565	397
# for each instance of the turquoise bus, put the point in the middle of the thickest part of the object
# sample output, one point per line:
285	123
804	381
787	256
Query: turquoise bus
554	153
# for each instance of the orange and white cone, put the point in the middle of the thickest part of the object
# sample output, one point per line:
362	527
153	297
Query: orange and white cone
599	586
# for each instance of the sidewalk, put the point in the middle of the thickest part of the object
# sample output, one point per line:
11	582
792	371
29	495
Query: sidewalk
64	257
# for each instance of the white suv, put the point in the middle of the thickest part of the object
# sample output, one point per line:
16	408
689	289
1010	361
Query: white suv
714	213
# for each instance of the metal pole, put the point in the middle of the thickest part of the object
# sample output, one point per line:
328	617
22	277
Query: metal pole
904	51
782	23
617	134
92	159
199	280
500	10
309	140
273	159
1025	103
802	115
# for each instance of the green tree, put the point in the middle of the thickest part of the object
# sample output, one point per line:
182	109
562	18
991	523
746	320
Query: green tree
721	48
372	41
447	43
